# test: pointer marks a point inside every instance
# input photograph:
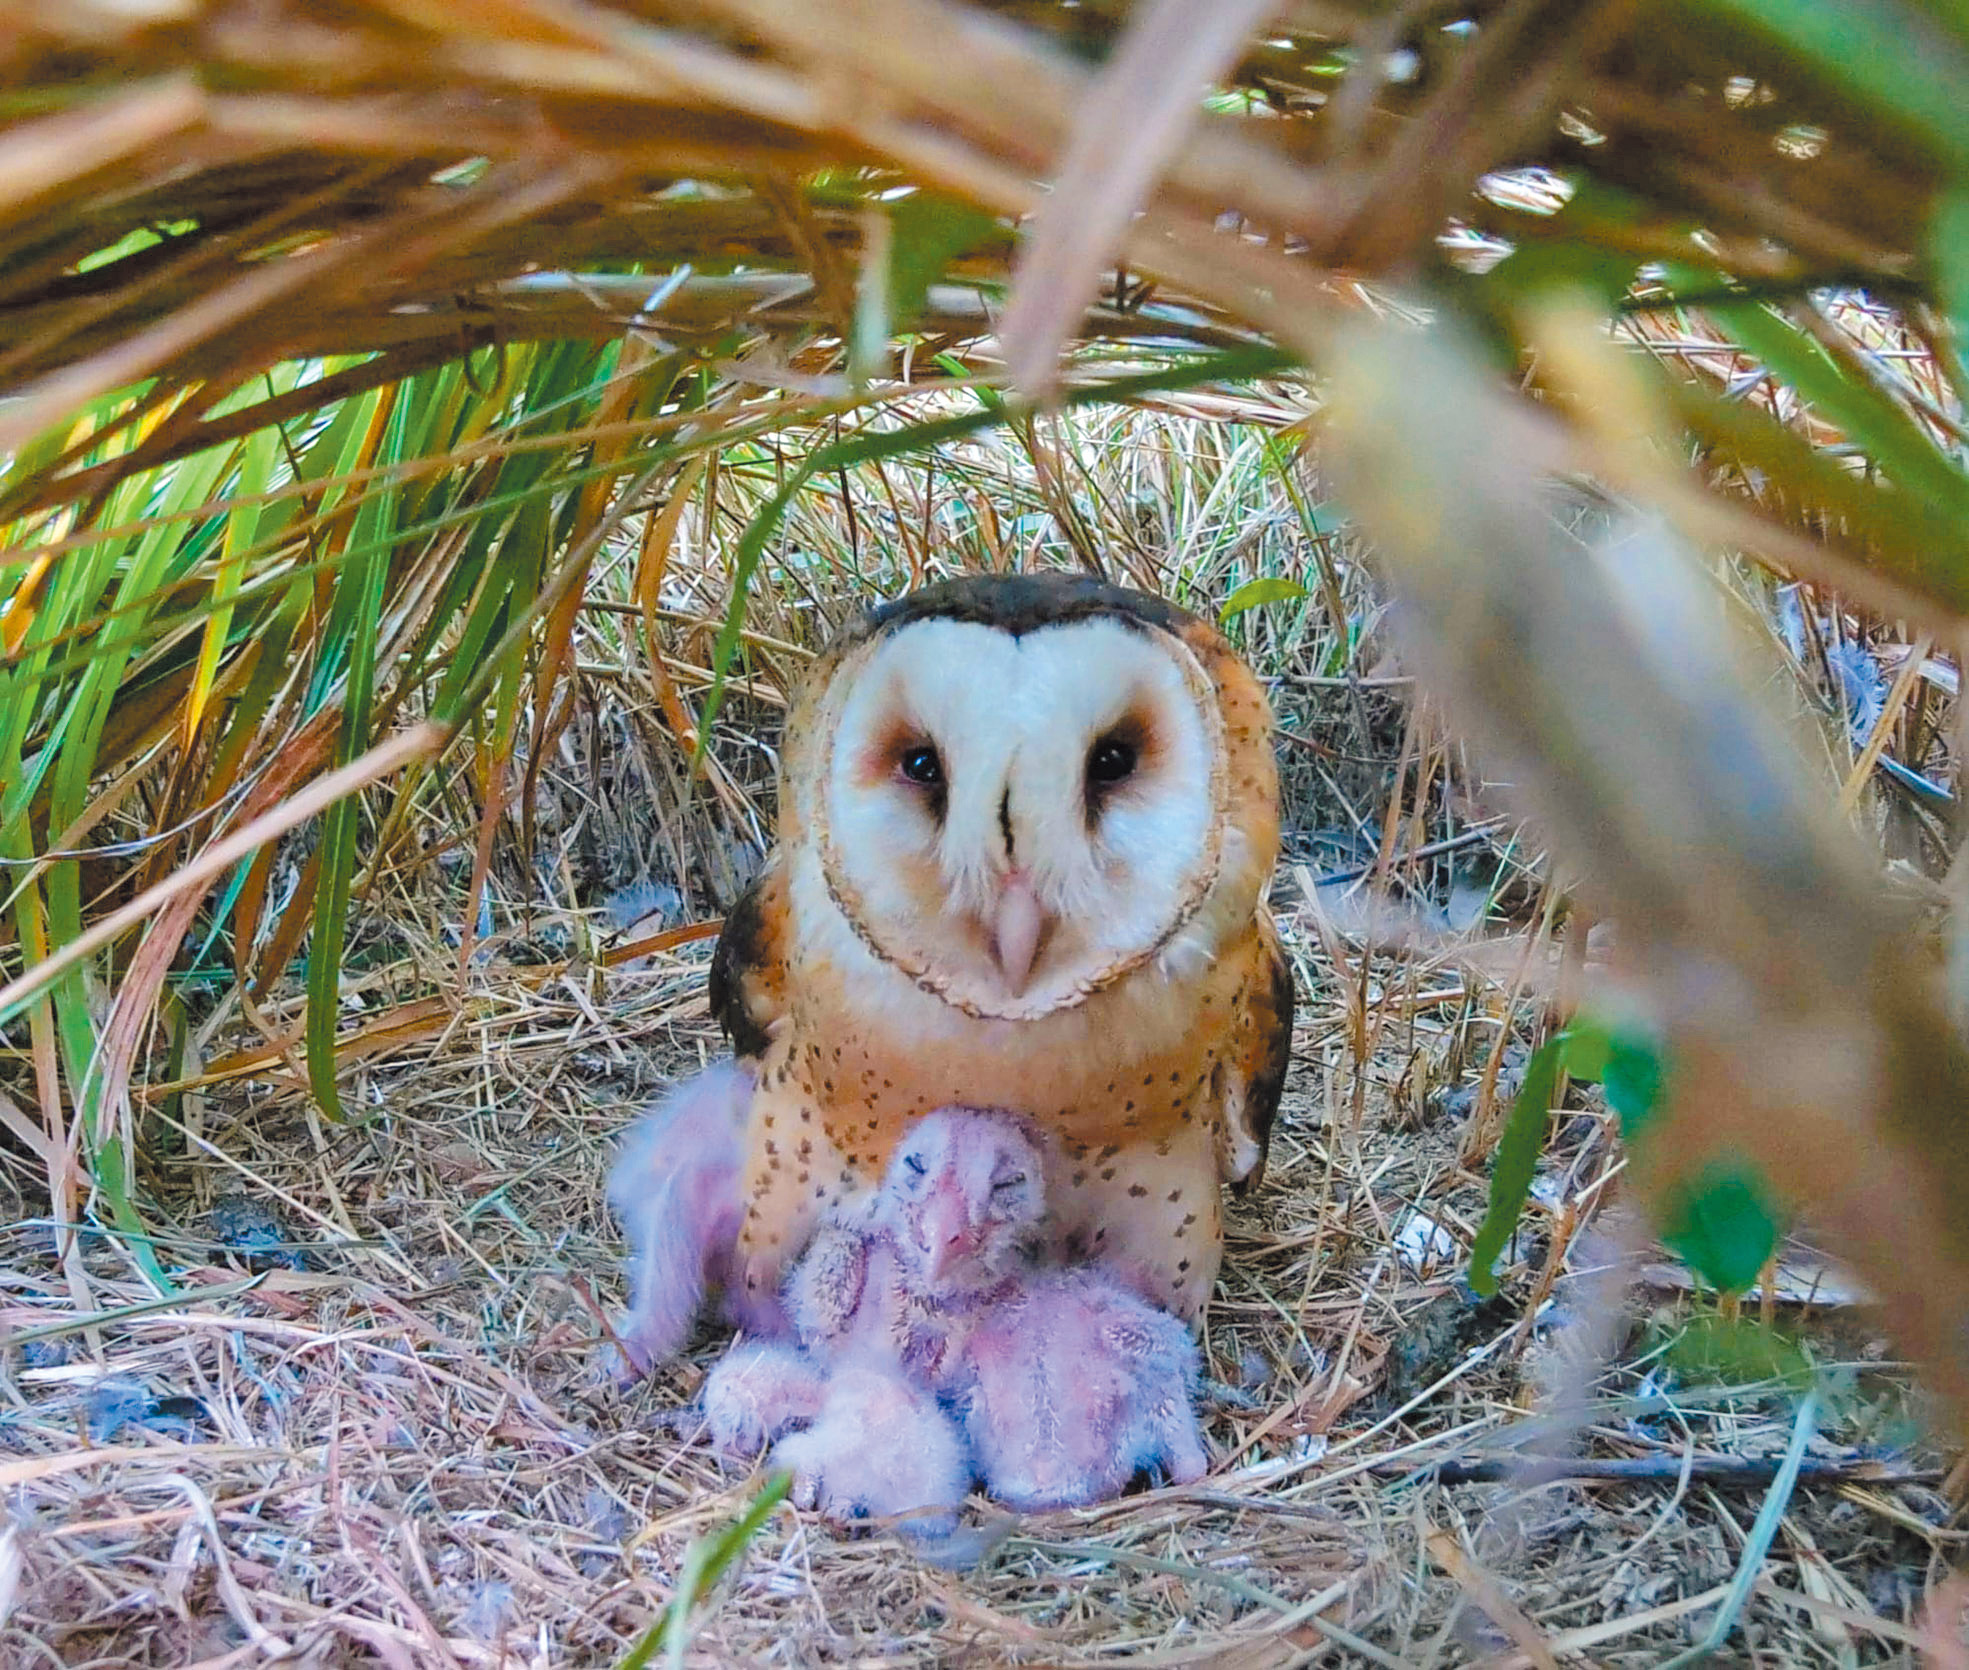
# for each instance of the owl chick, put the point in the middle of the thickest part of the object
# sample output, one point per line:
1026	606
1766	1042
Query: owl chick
1074	1386
956	1224
676	1188
876	1303
881	1445
1067	1383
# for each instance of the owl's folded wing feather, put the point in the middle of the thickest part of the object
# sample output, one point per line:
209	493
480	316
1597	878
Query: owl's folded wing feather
1267	1054
748	969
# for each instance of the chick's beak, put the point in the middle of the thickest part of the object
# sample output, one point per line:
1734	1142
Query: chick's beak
946	1232
1016	927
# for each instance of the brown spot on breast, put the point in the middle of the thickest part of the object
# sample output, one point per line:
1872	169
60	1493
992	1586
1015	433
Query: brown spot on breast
1182	1264
1136	1191
1079	1177
1107	1174
1174	1196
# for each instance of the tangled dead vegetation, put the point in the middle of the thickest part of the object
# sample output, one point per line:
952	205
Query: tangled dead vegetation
571	368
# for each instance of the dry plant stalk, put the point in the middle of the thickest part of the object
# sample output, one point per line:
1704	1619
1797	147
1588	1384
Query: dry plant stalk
1601	682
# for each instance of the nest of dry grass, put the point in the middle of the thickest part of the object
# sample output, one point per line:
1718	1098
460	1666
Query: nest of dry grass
402	1451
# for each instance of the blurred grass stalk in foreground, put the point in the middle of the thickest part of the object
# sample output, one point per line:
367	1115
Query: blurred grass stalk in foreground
1804	1027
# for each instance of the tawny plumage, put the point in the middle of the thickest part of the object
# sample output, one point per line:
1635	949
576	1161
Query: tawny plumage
1025	829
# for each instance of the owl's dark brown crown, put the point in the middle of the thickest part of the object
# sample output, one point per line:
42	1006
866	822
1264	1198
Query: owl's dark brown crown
1022	603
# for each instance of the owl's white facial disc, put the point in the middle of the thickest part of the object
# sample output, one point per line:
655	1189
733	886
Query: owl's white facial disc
1013	819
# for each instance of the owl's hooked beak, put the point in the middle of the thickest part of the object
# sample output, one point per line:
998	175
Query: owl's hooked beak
1017	925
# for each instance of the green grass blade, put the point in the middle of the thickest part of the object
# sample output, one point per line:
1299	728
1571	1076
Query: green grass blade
350	644
705	1561
1516	1162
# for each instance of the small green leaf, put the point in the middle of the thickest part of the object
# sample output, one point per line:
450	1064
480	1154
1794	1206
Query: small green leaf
1517	1160
1632	1079
1723	1225
1589	1046
1255	594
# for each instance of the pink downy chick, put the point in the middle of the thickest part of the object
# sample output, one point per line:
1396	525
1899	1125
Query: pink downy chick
954	1219
1073	1387
1070	1383
881	1446
675	1188
758	1393
875	1303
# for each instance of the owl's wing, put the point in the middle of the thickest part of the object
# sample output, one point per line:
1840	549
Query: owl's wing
748	969
1267	1054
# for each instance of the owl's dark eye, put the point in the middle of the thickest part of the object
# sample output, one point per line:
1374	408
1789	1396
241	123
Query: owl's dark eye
1016	1181
1111	761
923	765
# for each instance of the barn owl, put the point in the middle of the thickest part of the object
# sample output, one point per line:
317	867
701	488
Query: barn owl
1026	823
